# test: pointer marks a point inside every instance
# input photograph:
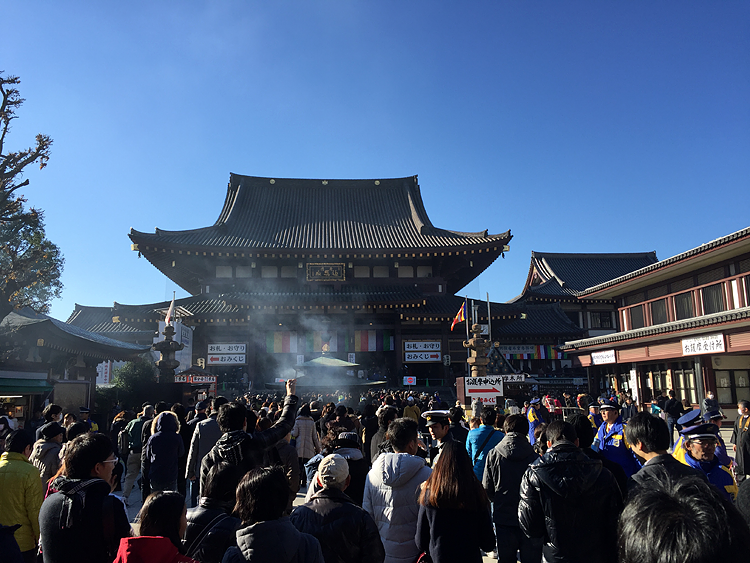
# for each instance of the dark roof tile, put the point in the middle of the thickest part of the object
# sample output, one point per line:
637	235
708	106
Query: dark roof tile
321	214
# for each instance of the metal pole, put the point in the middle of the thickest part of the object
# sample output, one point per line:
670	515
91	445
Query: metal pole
489	319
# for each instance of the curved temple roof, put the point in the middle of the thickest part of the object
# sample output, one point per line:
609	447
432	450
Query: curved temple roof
268	213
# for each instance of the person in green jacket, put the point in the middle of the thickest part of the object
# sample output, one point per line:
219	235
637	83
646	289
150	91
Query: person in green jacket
21	492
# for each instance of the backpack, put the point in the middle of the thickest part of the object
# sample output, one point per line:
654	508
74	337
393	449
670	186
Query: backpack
123	442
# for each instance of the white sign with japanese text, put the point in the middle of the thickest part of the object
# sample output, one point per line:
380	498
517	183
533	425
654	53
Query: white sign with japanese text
204	379
604	357
421	346
234	348
423	357
709	344
225	359
514	377
485	389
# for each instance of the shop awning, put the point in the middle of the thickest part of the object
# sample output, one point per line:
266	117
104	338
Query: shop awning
18	386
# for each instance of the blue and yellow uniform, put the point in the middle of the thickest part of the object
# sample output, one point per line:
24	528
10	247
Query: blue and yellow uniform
614	446
717	474
691	421
532	415
596	419
680	453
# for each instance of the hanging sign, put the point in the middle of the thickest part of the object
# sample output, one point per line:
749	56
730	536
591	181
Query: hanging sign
421	346
605	357
485	389
514	377
225	359
199	379
711	343
423	357
233	348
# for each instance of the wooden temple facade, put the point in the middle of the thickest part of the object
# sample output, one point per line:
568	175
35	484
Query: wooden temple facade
355	268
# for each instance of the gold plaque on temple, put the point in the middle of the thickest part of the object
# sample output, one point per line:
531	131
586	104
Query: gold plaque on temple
326	272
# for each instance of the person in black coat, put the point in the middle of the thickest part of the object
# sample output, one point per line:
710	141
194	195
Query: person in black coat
82	522
210	526
347	534
586	433
648	436
239	447
570	501
454	522
506	464
266	534
386	415
162	453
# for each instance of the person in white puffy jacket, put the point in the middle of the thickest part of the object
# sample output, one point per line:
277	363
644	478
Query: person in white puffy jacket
391	491
306	438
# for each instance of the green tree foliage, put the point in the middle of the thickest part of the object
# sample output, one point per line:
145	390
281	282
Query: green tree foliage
132	384
30	265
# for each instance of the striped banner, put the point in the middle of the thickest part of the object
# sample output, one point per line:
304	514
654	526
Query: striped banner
544	352
374	341
289	342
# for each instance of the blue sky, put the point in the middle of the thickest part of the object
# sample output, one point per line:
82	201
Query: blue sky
580	126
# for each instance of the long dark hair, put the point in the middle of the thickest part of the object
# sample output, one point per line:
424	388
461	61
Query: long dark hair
161	515
262	495
452	483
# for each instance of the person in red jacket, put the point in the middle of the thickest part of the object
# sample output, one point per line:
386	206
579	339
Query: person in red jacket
163	521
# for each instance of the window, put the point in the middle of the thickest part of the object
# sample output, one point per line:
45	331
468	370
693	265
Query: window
742	385
724	387
243	272
361	271
601	319
683	305
574	317
223	271
380	272
424	271
288	271
713	299
406	271
636	317
732	386
659	312
269	272
683	382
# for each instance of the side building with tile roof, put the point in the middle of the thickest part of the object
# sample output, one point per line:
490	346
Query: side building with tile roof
683	324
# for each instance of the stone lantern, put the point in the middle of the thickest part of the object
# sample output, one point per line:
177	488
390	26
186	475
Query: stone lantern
478	347
167	348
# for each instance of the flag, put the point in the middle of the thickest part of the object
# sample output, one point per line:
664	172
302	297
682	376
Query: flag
460	316
170	313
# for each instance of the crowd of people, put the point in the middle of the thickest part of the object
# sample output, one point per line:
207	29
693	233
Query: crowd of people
388	476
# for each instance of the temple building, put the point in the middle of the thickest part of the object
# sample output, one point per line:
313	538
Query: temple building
293	268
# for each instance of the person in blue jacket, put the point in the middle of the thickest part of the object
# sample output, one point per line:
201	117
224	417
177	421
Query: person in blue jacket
534	417
687	420
611	438
700	446
594	416
715	418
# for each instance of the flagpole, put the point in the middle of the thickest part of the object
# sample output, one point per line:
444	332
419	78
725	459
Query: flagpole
489	319
466	318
